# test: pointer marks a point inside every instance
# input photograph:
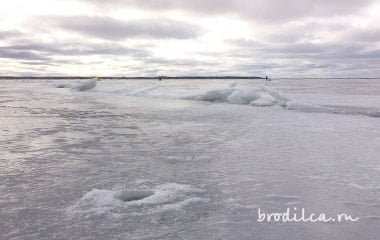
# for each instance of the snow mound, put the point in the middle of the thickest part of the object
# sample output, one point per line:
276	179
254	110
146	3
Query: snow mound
171	196
96	201
133	194
85	86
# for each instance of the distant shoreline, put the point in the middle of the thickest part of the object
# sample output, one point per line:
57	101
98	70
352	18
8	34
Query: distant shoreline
164	77
130	78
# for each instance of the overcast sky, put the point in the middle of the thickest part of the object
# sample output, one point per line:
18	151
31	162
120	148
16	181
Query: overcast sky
278	38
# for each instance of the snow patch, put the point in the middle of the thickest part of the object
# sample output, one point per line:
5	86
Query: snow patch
171	196
96	201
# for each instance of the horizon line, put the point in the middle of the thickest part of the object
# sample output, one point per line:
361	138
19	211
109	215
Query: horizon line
171	77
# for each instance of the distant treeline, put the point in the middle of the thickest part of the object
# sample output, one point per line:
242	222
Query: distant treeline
158	77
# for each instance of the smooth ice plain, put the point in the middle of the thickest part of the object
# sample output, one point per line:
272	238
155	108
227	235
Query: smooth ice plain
188	159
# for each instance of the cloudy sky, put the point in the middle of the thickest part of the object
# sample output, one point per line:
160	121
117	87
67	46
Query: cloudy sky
278	38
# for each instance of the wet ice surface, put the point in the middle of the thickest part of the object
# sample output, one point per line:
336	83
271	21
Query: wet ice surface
188	159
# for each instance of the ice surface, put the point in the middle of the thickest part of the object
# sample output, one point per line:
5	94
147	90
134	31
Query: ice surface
233	84
154	160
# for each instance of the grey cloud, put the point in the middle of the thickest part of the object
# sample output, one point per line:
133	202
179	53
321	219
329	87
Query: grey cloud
113	29
41	51
269	10
375	54
304	59
295	32
295	68
176	62
336	50
321	66
20	54
9	34
38	62
367	35
256	66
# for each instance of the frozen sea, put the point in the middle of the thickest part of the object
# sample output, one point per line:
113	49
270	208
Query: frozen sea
189	159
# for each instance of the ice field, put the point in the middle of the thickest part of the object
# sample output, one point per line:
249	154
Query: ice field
188	159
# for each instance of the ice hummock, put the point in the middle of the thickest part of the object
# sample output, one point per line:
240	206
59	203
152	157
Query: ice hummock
267	96
218	95
62	85
259	95
229	95
85	86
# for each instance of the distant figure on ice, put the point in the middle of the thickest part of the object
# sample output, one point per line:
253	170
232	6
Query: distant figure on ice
159	78
267	79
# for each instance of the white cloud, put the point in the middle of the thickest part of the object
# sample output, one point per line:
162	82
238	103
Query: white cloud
242	37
